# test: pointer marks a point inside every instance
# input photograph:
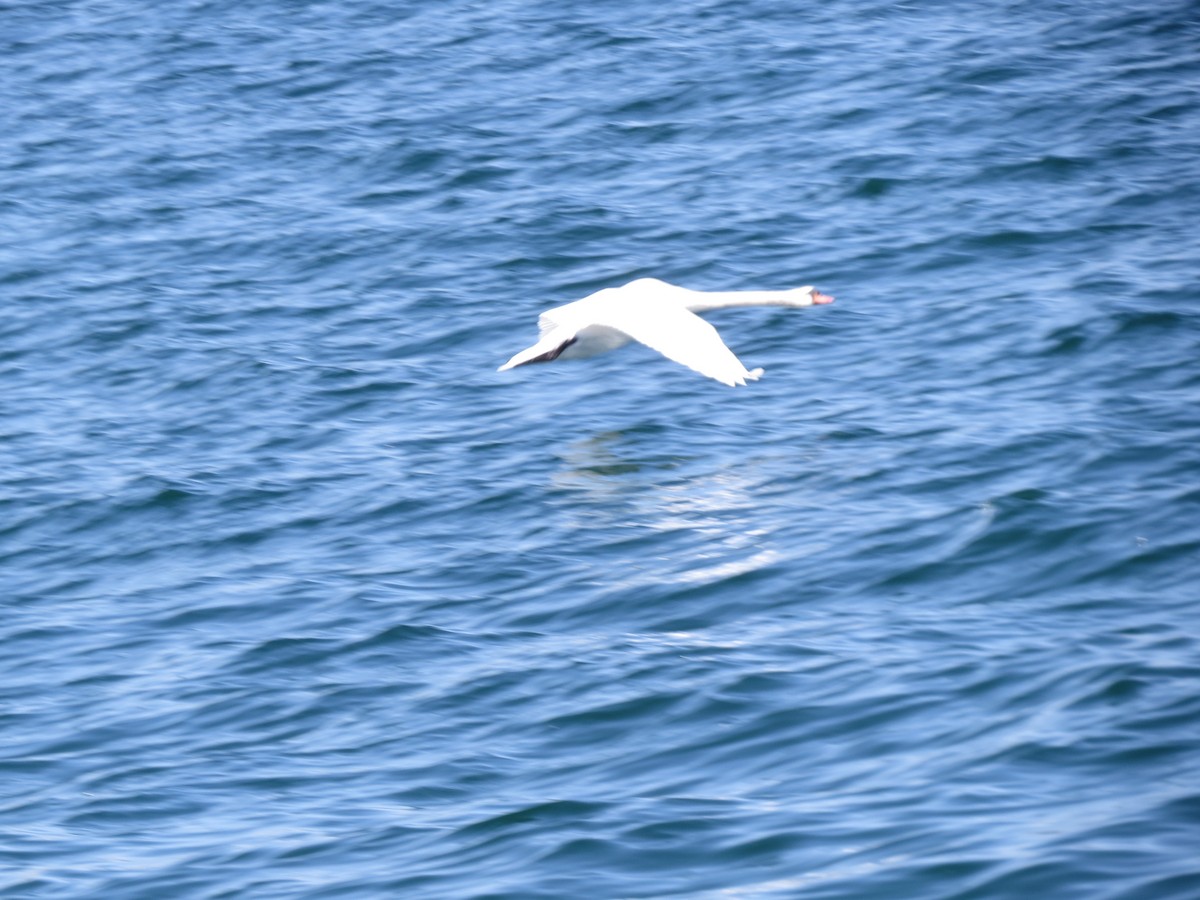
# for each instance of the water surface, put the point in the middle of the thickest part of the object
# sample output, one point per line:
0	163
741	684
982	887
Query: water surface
300	598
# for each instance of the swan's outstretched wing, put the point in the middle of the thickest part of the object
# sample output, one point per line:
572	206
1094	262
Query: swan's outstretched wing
680	336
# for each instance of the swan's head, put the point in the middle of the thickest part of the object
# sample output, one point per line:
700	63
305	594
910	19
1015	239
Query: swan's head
816	298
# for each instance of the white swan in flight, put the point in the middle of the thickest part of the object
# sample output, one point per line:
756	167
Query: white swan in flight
663	317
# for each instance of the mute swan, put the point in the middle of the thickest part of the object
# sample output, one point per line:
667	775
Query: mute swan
663	317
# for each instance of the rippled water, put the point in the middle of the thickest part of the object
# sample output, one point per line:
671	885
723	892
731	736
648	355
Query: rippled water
300	598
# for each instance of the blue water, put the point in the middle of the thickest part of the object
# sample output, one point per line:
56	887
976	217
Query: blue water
299	597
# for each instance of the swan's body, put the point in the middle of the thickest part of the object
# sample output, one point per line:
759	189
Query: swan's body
659	315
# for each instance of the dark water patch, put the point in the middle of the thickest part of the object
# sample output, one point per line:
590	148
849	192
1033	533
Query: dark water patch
1133	320
565	811
290	652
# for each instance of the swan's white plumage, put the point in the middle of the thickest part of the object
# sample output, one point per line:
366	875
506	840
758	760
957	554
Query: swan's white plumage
662	316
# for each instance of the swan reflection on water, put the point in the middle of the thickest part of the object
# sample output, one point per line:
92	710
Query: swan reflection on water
710	520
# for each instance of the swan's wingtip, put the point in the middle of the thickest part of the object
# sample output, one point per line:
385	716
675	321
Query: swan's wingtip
740	380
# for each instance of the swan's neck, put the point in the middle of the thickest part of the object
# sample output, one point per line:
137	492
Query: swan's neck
706	300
